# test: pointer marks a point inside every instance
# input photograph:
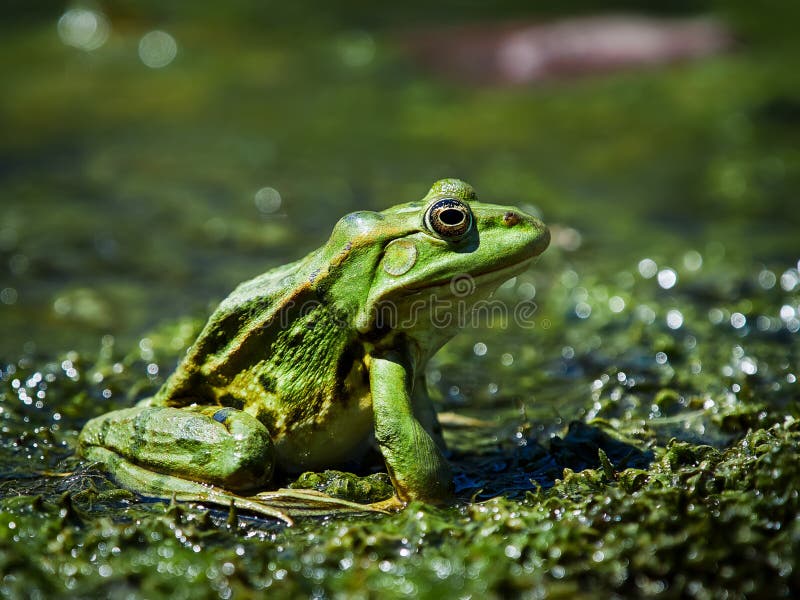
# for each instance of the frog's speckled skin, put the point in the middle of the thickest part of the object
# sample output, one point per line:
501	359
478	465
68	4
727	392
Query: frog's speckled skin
311	359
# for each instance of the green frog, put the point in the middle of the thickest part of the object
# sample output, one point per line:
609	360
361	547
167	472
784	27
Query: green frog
308	365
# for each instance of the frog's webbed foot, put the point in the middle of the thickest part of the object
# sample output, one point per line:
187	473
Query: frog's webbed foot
389	505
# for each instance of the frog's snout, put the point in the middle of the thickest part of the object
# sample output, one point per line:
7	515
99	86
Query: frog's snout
543	241
536	232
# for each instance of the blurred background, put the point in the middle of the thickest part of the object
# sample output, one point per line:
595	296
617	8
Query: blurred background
154	155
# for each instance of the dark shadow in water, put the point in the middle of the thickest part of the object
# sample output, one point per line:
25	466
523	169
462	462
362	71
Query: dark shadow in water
512	473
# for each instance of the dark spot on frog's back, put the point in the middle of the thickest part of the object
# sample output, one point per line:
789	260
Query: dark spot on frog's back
352	354
268	382
229	400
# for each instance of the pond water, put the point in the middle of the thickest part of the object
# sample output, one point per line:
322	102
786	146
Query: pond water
153	158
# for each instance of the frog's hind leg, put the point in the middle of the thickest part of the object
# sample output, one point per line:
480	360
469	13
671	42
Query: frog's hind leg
159	485
207	444
198	454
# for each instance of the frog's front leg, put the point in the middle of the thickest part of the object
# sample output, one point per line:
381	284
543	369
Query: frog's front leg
207	444
415	464
426	414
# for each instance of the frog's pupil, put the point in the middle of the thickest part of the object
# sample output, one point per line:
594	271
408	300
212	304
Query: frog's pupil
451	217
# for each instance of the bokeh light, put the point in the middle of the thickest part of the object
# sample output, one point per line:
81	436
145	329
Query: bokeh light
83	28
157	49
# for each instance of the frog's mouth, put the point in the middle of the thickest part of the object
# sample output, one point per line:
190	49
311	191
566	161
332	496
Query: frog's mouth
464	284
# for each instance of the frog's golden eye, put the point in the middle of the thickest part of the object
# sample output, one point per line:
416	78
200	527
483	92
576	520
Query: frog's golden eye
450	218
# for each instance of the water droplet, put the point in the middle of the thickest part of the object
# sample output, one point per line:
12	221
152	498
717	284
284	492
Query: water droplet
787	312
568	238
748	366
616	304
767	279
526	291
268	200
583	310
790	280
667	278
692	260
738	320
569	279
8	295
647	268
84	29
645	314
674	319
479	349
157	49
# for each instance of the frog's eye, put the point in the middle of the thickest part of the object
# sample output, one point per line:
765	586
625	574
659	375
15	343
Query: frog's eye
450	218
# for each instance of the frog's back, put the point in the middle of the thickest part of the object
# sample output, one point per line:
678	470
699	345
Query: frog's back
274	349
243	325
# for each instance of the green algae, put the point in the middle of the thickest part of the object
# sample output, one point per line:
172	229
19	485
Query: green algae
348	486
640	439
699	522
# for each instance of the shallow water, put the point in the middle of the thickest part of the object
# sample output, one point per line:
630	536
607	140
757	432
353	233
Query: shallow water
668	306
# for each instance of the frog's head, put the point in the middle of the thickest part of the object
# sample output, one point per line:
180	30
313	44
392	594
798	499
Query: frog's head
401	264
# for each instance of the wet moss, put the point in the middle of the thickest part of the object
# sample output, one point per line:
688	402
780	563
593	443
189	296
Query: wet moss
348	486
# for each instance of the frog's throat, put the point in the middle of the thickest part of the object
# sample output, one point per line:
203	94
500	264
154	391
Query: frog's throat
460	286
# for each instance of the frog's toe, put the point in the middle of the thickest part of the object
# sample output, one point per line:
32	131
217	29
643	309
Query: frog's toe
312	503
393	504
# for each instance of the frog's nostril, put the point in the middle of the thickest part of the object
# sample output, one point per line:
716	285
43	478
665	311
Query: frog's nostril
510	218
